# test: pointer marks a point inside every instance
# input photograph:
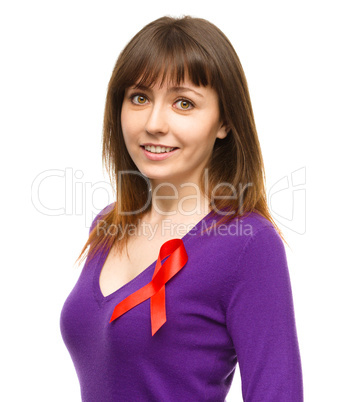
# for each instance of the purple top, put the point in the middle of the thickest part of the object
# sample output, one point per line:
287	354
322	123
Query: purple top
231	303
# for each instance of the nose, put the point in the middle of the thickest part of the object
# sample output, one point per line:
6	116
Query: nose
157	121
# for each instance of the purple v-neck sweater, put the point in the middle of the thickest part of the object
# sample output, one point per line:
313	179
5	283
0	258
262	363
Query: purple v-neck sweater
231	303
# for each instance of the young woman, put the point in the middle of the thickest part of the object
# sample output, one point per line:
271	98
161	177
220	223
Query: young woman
186	274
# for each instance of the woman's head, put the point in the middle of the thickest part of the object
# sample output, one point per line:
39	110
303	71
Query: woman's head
171	50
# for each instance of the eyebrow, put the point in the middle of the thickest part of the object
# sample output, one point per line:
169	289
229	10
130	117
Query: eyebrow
171	89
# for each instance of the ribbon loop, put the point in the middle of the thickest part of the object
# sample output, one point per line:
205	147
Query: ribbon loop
177	257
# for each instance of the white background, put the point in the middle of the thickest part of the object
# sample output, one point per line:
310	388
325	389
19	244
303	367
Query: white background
57	59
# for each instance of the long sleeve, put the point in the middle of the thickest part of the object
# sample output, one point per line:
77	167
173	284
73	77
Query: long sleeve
260	319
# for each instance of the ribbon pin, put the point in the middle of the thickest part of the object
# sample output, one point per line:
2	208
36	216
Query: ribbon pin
155	289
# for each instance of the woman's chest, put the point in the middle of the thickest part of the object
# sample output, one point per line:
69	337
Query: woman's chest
121	268
193	302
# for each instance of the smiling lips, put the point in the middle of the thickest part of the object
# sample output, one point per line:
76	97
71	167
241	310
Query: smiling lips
158	149
158	153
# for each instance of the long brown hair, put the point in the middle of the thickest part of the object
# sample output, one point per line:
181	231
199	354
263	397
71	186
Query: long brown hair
172	48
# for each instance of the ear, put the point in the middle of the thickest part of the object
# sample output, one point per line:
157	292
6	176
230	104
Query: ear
223	131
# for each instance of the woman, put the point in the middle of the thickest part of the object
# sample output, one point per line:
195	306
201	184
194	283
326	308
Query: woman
186	274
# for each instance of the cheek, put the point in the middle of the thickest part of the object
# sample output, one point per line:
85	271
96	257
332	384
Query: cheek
131	123
195	132
187	130
127	126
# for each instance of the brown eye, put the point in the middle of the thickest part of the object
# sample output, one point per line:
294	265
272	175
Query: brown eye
139	99
184	104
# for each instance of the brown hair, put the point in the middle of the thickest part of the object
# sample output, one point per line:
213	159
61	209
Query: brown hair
172	48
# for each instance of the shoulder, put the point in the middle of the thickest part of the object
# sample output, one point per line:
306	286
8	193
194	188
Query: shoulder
262	256
261	243
261	231
237	248
254	221
106	209
243	231
102	213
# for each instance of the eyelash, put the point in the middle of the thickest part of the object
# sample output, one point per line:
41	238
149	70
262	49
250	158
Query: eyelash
178	100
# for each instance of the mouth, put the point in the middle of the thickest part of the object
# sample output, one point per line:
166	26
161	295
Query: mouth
158	149
158	156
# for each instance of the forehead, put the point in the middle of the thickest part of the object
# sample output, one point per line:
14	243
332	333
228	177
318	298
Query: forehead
168	74
170	84
164	83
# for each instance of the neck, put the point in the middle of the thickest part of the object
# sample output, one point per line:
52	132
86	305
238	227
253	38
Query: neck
177	202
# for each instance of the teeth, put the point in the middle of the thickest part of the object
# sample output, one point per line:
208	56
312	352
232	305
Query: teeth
158	150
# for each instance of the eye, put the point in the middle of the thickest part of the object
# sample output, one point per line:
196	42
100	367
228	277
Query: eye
184	104
138	99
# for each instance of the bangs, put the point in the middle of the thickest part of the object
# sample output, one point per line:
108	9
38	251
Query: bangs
168	55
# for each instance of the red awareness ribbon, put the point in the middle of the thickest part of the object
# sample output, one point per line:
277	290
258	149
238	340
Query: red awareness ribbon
155	289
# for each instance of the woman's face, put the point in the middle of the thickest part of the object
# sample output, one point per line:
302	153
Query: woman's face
186	118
